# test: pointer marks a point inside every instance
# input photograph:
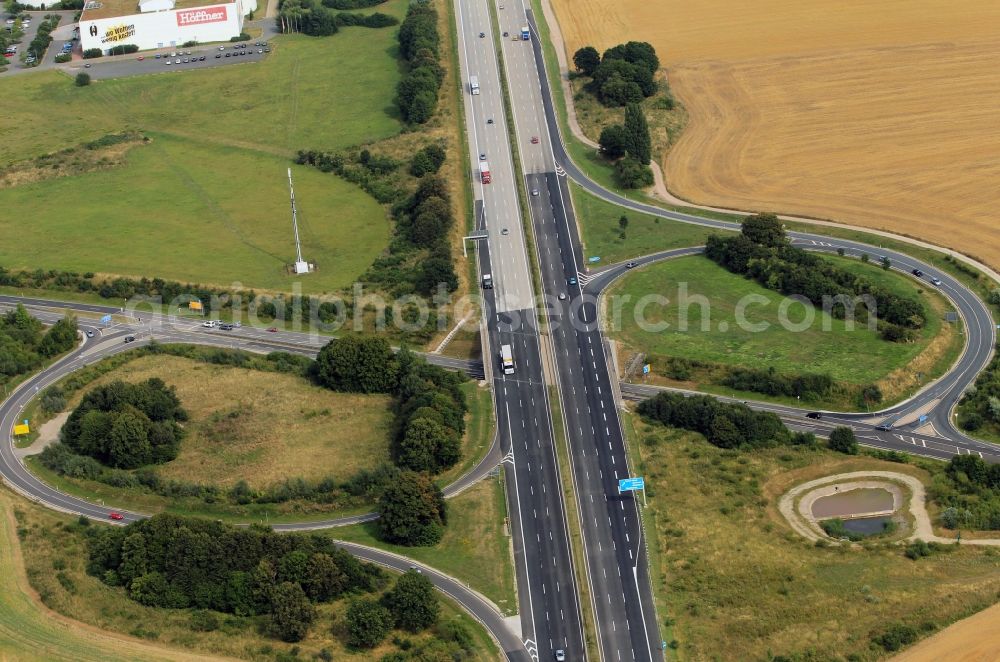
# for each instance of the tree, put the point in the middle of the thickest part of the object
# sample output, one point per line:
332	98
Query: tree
61	337
764	229
128	440
413	602
587	60
357	365
436	270
292	613
411	511
419	445
623	221
632	174
134	558
612	141
368	623
617	91
638	144
842	440
324	580
82	80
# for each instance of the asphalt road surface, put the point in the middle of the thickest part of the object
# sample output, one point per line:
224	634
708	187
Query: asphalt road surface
549	603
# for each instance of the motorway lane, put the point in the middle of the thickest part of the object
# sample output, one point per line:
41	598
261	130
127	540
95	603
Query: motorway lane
612	529
501	206
550	612
611	522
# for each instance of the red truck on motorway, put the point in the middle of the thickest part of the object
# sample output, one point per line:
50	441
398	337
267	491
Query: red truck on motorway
484	171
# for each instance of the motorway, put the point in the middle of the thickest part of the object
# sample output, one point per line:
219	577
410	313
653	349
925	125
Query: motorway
547	594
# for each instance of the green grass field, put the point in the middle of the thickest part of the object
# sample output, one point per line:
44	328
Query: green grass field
318	93
812	349
207	200
731	578
195	212
600	230
475	547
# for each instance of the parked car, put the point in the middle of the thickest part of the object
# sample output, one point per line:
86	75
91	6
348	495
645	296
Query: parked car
228	54
208	324
185	60
201	59
168	62
116	516
226	327
141	58
218	55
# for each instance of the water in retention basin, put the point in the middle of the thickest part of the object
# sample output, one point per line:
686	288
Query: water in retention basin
852	502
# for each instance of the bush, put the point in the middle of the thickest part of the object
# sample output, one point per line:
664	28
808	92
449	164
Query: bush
82	80
189	44
427	161
842	440
243	36
125	49
632	174
53	400
895	637
92	53
368	623
63	58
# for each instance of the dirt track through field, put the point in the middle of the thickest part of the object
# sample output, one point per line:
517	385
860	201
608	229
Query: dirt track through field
974	639
875	114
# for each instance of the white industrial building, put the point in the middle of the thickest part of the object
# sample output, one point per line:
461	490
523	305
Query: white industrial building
153	24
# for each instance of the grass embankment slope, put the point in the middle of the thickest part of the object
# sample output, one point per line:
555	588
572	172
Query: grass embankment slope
826	110
601	231
207	199
475	547
29	631
894	366
54	556
734	580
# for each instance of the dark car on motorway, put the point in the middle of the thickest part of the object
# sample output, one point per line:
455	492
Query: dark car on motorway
815	415
129	338
917	272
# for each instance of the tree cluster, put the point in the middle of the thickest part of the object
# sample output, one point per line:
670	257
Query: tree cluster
431	418
127	425
431	407
722	424
623	75
352	4
411	605
808	386
426	220
411	511
177	562
762	252
23	344
373	173
631	145
419	46
980	405
316	18
968	491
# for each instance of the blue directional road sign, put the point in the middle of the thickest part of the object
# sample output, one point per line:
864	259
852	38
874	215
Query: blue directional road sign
631	484
645	369
106	319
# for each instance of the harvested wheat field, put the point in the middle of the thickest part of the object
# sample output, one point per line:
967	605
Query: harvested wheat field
878	114
974	639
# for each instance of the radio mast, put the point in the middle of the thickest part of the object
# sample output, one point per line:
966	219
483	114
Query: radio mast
301	266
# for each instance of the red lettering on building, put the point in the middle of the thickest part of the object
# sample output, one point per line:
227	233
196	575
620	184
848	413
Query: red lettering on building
201	15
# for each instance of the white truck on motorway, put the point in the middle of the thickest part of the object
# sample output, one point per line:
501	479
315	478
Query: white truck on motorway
507	359
474	84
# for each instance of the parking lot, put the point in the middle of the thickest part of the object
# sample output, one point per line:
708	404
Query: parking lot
173	60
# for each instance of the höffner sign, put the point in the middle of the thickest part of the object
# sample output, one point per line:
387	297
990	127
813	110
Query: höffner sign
202	15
